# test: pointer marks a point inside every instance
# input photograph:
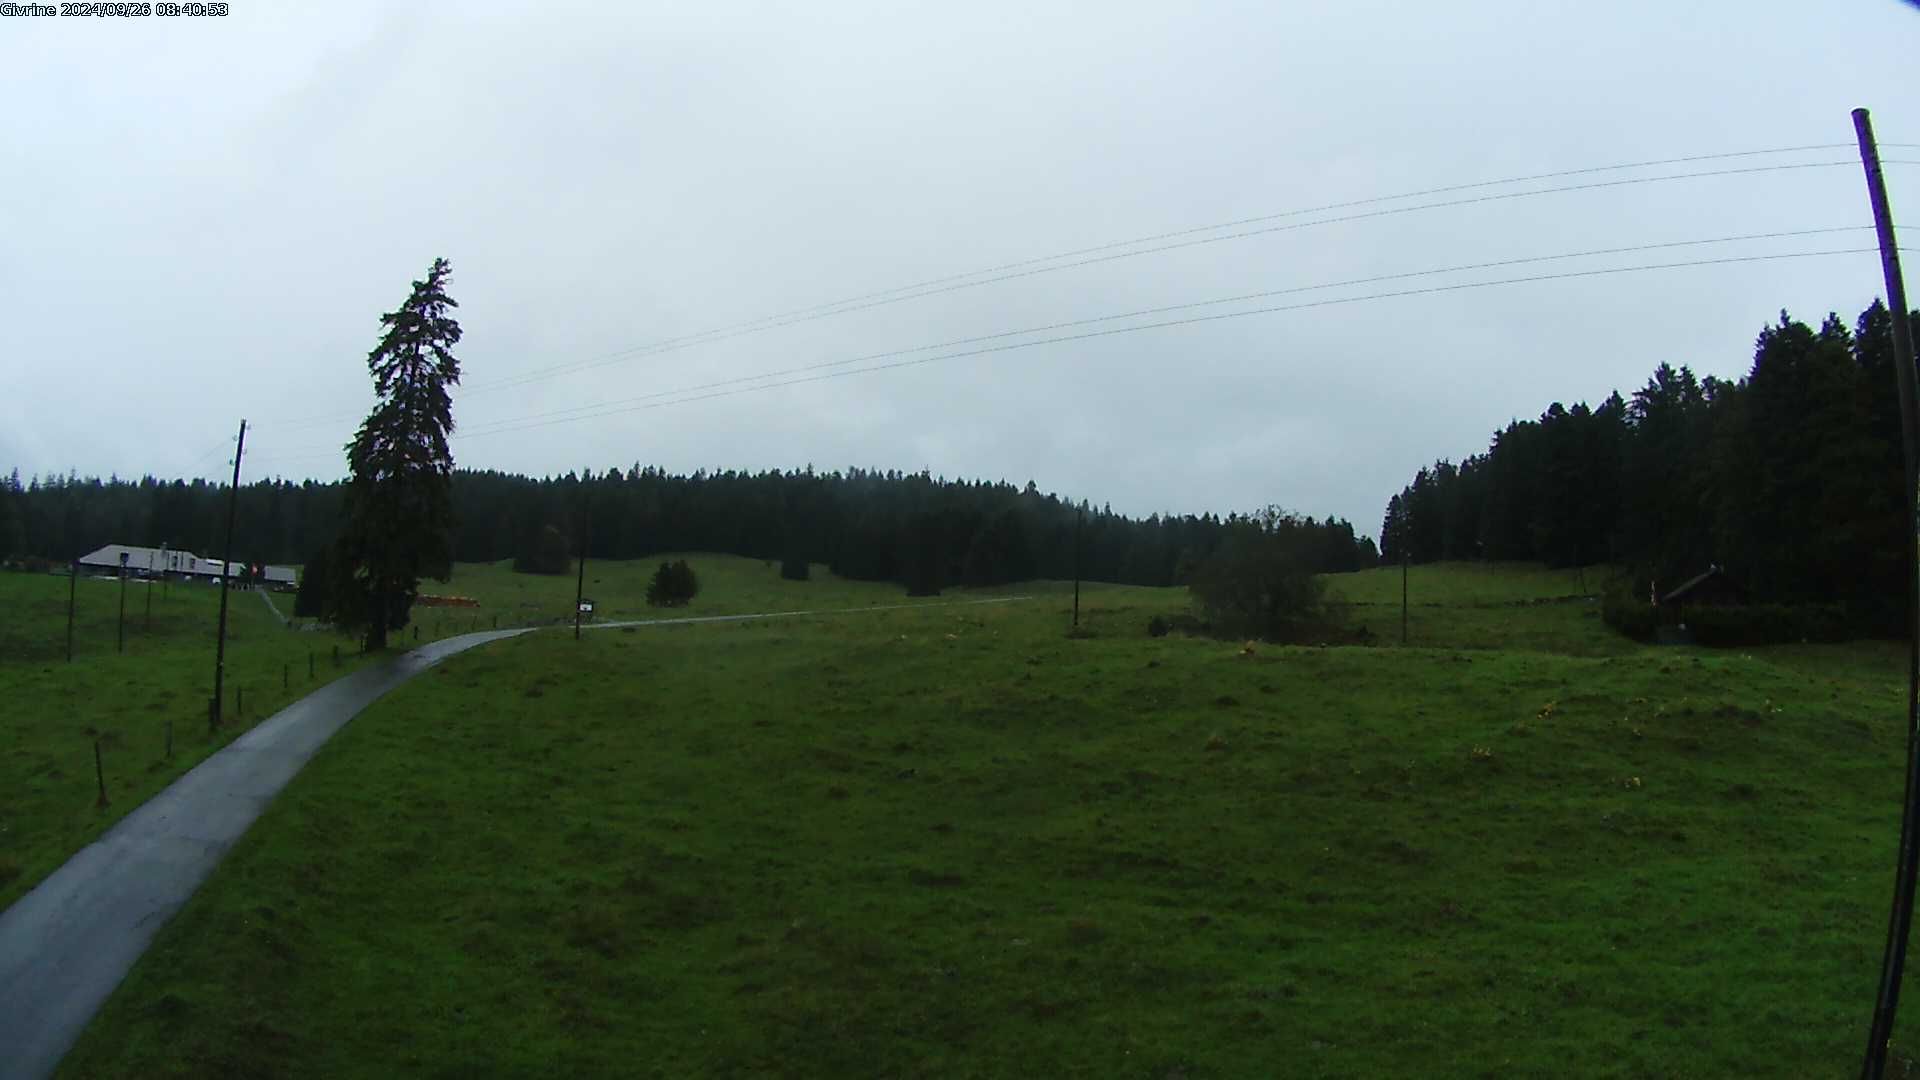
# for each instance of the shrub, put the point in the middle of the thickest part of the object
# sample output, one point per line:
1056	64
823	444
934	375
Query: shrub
673	585
1622	609
310	602
1259	583
545	552
1765	624
1158	626
794	568
1726	625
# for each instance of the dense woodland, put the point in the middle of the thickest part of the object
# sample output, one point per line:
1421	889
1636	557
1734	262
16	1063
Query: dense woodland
1789	478
909	527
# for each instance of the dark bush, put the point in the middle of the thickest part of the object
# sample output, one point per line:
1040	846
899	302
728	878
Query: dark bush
1726	625
310	602
545	552
794	568
673	585
1157	626
1765	624
1259	582
1622	609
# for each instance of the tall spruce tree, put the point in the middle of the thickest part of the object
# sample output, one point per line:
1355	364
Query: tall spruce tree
399	509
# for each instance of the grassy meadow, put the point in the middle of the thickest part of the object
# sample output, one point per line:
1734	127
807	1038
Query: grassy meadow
955	841
1482	606
55	709
728	586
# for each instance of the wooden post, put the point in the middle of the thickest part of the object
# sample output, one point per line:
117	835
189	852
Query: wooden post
120	625
1900	921
73	581
99	772
1405	558
580	584
1079	516
226	573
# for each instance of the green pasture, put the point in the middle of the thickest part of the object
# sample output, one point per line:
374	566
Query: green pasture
956	841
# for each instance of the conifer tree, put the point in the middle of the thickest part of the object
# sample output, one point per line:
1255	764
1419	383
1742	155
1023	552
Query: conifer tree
399	508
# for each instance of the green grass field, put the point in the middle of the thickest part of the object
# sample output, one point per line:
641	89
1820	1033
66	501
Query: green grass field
1466	584
54	709
728	586
956	842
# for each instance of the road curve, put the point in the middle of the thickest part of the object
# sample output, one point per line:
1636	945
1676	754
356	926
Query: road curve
67	944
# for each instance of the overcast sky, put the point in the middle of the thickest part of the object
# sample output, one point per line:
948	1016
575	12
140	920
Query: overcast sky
203	218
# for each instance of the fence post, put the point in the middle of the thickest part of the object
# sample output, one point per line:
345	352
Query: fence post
99	772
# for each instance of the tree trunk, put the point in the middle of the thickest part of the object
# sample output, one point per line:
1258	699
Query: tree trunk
377	624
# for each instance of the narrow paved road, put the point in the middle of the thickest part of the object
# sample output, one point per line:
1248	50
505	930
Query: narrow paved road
271	606
67	944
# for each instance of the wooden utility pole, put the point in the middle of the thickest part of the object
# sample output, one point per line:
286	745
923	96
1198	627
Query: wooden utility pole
226	573
120	626
1079	515
1404	559
1893	961
580	585
73	580
147	628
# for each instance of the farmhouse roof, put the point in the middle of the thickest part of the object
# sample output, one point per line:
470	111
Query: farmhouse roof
1680	591
138	558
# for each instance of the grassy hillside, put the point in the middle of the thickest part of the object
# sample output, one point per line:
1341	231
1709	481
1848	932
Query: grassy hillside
54	709
1458	584
729	585
956	842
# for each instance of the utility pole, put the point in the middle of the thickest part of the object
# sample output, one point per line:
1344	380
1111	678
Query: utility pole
1405	558
226	574
73	580
120	625
1893	961
1079	515
580	584
148	627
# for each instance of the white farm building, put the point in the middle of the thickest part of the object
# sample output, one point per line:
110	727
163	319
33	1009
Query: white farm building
159	562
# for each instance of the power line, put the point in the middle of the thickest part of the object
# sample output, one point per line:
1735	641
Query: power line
204	455
1182	307
1031	266
1429	290
710	337
601	409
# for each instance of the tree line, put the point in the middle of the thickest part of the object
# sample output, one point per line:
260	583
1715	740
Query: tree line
1789	479
922	531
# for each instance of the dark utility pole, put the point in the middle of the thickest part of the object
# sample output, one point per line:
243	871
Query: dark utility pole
73	580
1894	959
120	626
226	572
1078	516
147	627
580	584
